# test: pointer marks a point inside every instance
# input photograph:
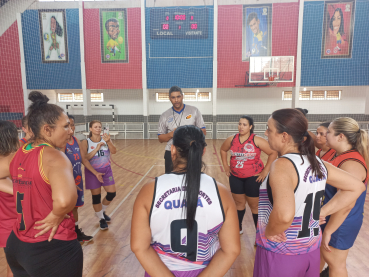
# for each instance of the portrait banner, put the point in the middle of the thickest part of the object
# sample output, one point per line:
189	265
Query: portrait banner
338	29
256	31
53	32
113	32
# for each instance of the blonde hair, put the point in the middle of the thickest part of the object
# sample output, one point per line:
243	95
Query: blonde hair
92	124
355	136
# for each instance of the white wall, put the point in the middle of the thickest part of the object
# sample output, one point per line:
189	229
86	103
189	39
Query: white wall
266	100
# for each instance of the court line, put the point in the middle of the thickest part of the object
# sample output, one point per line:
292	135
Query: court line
128	169
120	203
216	153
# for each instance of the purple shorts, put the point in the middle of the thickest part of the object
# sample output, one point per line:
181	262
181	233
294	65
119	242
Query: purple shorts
191	273
93	183
270	264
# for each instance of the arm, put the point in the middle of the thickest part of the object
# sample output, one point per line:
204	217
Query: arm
6	185
283	184
223	154
111	146
350	187
141	234
87	164
200	122
272	156
166	137
84	148
229	238
58	169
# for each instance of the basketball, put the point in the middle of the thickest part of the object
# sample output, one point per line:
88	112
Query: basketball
120	40
46	36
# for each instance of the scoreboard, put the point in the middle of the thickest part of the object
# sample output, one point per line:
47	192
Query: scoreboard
179	23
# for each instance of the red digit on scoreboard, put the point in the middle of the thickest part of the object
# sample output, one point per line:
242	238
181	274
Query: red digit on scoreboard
194	26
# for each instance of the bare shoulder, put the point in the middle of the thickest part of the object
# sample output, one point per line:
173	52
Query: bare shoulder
355	168
145	196
223	191
52	157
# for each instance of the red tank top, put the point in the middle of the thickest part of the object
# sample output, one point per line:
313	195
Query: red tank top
8	216
351	155
245	157
327	155
32	196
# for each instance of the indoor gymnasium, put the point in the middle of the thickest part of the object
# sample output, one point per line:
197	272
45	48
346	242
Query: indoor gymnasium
166	138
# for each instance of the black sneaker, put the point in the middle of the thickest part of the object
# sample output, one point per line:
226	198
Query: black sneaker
107	218
325	272
103	224
82	237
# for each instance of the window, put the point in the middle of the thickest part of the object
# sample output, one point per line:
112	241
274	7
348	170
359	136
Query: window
314	95
78	97
287	95
187	96
304	95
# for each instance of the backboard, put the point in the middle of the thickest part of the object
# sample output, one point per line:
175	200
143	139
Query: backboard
271	69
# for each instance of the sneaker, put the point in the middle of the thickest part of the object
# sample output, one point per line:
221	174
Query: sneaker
241	232
107	218
82	237
103	224
325	272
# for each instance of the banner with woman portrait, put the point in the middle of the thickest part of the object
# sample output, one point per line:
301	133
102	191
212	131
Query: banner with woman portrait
53	32
113	31
257	31
338	29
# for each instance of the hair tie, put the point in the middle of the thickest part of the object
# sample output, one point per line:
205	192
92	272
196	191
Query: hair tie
358	131
306	134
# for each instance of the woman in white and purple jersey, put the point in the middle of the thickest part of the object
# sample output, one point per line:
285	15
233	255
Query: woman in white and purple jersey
185	223
97	150
288	235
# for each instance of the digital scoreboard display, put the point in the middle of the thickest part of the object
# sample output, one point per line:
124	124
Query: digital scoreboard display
179	23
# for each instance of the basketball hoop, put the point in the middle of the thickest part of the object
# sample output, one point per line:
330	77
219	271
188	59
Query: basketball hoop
271	81
271	78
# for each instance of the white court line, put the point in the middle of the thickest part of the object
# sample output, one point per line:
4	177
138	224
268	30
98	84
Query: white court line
206	165
120	204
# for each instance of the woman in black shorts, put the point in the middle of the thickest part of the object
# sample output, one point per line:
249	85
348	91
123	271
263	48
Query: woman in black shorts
246	171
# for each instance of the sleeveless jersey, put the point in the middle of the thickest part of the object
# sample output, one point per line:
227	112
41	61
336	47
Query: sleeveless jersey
8	216
327	155
179	248
33	197
245	157
102	157
356	214
74	155
304	234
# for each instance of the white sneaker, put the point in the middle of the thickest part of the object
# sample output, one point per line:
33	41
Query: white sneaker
241	232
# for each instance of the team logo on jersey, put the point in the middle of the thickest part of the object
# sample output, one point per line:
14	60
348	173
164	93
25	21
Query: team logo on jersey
249	147
189	116
328	51
170	119
78	180
92	147
69	151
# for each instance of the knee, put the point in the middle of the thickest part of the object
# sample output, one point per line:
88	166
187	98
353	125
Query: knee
240	204
96	199
110	196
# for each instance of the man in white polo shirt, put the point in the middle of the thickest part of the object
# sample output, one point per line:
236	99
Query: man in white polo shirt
178	115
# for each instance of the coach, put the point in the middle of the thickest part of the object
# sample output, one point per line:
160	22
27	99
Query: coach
178	115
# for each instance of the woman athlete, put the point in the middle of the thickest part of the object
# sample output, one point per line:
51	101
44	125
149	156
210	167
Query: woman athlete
43	241
185	223
325	152
246	170
288	235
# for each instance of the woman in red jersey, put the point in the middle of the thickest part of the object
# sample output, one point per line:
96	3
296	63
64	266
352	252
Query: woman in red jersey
8	213
325	152
246	170
43	241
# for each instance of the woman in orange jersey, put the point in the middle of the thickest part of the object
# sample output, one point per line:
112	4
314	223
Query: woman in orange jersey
325	152
339	234
43	241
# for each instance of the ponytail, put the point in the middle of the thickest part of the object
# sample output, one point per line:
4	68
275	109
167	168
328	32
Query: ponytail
190	143
355	136
294	123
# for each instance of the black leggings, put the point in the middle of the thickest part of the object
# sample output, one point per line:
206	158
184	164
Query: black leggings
57	258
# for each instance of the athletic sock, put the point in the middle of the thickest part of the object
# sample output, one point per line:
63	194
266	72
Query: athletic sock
100	214
255	217
76	223
104	207
240	217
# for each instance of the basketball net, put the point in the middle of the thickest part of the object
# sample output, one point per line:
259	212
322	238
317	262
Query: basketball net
271	81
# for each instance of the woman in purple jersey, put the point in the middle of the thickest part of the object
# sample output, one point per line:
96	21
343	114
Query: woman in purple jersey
288	235
97	150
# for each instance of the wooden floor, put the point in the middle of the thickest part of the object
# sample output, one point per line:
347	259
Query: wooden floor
138	162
